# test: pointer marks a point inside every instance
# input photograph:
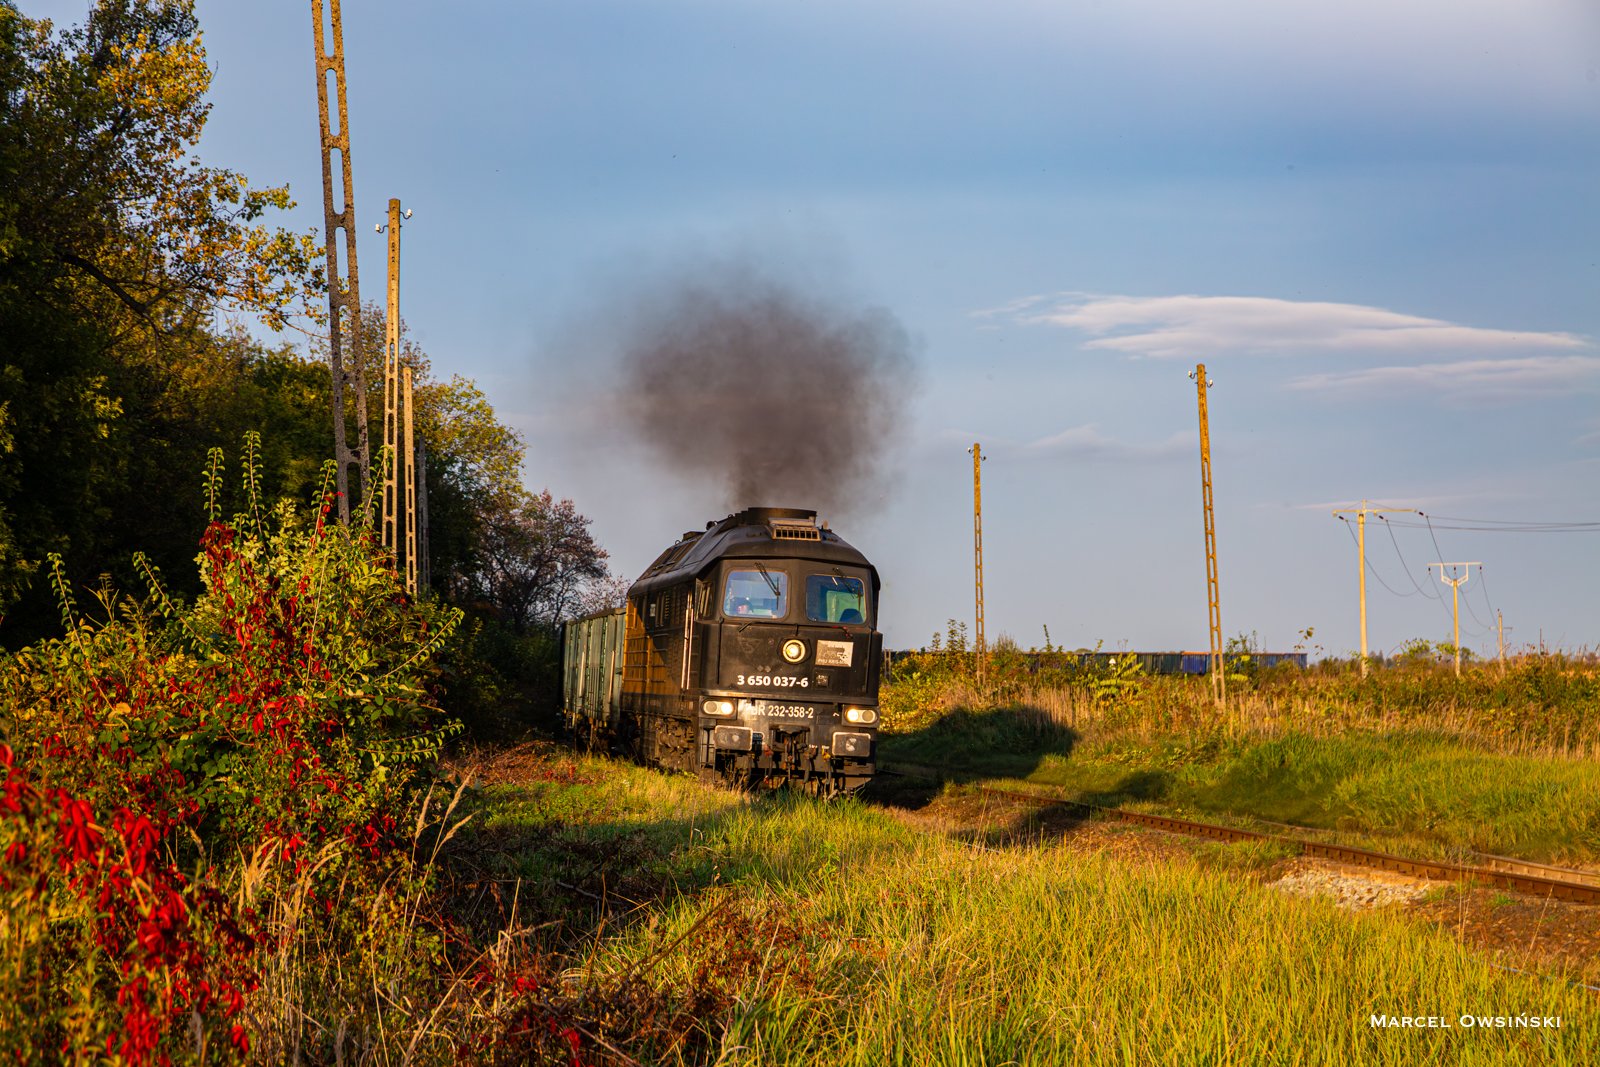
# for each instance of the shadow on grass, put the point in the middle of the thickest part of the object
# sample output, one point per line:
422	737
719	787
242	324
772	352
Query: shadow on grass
548	850
969	812
565	863
965	746
573	872
553	847
971	742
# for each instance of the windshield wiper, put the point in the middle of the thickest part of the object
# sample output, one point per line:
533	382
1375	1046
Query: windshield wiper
770	583
846	583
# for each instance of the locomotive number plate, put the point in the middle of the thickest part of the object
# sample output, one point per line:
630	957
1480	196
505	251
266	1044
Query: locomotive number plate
785	711
774	681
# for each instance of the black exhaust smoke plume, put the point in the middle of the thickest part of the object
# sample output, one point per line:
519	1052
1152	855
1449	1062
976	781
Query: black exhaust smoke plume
785	399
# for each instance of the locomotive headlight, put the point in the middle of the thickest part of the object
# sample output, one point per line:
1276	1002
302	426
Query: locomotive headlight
864	716
794	650
717	707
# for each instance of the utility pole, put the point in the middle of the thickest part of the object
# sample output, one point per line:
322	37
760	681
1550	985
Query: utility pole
1214	603
1455	585
343	301
977	551
1361	513
1501	627
399	499
410	487
424	571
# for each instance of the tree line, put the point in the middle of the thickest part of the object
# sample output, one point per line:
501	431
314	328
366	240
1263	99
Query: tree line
126	267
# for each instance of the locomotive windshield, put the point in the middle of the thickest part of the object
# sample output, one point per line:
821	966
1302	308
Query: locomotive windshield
835	598
763	594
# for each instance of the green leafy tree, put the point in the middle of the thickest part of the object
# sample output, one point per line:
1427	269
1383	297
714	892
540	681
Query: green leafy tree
116	250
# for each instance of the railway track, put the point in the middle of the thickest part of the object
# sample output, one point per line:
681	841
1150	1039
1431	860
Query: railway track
1537	879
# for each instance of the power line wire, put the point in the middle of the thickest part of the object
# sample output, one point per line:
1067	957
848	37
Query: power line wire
1437	549
1368	563
1474	614
1487	603
1500	525
1439	596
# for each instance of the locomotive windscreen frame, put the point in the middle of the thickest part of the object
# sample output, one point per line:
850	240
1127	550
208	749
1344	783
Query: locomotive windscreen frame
748	653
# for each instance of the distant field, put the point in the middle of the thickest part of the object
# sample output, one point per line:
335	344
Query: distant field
837	933
1547	704
1411	786
1499	761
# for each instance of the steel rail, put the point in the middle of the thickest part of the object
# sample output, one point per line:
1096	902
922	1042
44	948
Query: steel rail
1489	859
1434	870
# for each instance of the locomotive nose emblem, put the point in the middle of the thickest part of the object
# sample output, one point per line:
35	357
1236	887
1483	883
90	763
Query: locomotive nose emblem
794	650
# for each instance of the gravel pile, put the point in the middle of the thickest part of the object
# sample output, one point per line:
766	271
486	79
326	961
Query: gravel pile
1353	891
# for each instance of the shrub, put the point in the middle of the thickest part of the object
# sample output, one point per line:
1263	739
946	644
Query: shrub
267	739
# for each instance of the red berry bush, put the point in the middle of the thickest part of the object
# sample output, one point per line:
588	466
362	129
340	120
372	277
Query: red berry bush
195	795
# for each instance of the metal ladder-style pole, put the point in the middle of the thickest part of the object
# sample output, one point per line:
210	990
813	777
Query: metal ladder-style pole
344	301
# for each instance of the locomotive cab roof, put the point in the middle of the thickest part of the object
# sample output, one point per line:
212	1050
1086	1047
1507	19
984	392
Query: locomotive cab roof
754	533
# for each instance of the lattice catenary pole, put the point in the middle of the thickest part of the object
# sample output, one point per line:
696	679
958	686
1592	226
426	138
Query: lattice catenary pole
409	487
394	408
979	650
344	300
1218	678
424	572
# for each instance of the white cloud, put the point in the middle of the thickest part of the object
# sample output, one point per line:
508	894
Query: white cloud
1478	381
1397	505
1199	327
1085	443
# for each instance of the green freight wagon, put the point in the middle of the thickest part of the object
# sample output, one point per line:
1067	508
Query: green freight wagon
591	669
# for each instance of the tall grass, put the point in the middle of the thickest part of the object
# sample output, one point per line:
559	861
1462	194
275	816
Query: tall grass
1500	760
918	950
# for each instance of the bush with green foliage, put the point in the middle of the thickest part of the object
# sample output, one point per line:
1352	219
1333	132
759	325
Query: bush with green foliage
188	786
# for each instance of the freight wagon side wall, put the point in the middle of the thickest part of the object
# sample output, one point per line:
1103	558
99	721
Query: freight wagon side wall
591	667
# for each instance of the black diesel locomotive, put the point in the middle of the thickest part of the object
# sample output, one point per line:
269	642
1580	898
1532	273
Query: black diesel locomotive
748	653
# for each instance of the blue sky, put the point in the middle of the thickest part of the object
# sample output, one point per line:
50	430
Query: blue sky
1375	222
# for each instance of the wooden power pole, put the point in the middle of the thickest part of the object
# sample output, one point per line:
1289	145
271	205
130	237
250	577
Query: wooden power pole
1214	603
1361	511
344	300
977	552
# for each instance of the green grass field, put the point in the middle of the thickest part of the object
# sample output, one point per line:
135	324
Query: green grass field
1414	787
840	933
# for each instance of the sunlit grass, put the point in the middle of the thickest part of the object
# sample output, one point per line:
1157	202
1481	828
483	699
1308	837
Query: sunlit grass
1422	787
924	951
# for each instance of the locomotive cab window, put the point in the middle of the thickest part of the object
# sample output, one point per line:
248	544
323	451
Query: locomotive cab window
760	594
835	598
